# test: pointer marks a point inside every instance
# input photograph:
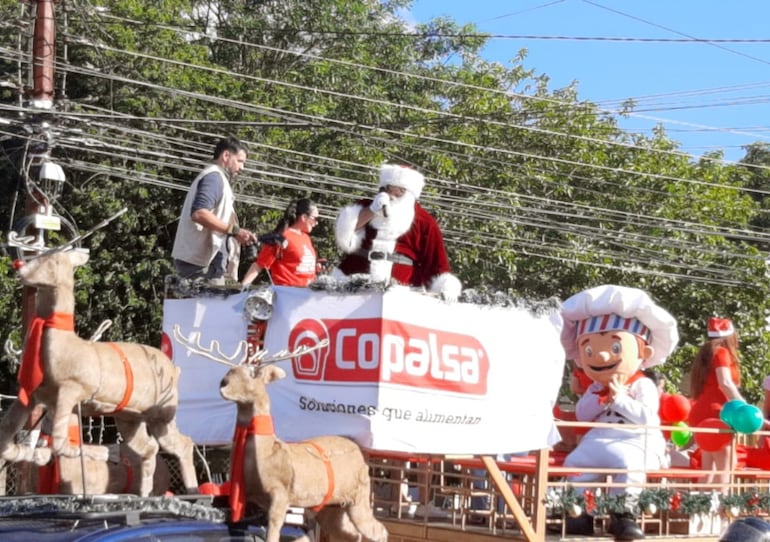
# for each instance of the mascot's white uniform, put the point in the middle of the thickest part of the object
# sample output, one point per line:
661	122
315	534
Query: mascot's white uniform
402	242
612	333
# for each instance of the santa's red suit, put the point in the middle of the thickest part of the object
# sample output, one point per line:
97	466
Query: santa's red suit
403	242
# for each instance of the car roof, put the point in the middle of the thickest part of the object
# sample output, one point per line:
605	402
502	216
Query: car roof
114	518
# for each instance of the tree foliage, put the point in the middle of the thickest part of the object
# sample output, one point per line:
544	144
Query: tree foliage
539	193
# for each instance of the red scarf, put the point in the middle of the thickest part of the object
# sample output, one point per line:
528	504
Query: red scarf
49	476
31	371
604	393
258	425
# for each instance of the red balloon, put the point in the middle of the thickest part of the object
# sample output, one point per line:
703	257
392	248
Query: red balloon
713	442
674	408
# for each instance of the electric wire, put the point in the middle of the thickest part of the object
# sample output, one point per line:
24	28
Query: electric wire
281	176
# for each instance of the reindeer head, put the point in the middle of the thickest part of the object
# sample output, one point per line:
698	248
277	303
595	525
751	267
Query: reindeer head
56	269
246	384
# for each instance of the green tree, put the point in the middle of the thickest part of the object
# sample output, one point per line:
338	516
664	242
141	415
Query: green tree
539	193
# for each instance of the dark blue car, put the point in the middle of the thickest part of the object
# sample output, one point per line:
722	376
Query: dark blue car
114	518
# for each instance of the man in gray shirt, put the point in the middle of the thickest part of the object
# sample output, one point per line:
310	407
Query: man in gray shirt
208	217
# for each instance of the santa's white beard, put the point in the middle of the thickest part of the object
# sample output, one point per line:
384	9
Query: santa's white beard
400	216
399	220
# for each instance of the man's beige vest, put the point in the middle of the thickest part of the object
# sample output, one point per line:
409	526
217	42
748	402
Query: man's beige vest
193	243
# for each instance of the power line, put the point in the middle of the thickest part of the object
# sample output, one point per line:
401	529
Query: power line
112	136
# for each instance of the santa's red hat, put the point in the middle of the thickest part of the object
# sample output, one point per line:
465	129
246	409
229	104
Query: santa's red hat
402	176
720	327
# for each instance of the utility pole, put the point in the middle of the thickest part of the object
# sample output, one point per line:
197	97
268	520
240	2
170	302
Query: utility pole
43	55
42	179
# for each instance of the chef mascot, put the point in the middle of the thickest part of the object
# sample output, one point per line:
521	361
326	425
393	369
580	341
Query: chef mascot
392	236
612	333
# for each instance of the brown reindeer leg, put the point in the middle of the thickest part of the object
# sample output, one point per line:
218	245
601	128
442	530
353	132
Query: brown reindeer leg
336	525
276	516
172	441
96	476
365	523
12	423
136	438
65	405
362	517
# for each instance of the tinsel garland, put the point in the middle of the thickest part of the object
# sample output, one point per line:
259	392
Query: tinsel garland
650	501
487	296
52	505
180	288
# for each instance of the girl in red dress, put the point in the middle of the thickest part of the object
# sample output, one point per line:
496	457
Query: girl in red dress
714	380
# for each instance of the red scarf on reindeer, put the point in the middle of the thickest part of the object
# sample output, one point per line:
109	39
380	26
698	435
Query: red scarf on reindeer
263	425
31	371
258	425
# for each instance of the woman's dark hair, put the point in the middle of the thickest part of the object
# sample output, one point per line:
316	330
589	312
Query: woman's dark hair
296	209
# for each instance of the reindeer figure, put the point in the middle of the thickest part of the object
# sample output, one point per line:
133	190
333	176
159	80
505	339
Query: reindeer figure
119	474
326	473
134	383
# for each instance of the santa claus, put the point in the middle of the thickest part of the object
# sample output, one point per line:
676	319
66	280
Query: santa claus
392	236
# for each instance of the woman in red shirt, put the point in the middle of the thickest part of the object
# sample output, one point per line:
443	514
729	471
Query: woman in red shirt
291	260
714	380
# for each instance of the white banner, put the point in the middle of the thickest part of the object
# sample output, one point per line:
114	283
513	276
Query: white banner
202	414
402	371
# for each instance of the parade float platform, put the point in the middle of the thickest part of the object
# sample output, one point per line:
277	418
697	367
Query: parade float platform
432	391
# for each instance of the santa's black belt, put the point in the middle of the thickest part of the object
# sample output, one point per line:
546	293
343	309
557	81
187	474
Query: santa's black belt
377	255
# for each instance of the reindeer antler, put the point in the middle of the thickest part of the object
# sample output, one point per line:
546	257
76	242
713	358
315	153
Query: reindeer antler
27	243
24	242
213	352
12	351
286	354
104	326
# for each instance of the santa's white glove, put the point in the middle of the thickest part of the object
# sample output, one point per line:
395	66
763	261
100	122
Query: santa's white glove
381	200
448	286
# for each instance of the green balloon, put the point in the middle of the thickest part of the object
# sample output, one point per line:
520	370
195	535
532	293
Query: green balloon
681	437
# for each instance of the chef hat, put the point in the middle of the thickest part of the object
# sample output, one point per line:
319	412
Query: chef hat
720	327
610	307
403	176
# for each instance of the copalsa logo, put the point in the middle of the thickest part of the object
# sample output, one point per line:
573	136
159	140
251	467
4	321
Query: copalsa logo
372	350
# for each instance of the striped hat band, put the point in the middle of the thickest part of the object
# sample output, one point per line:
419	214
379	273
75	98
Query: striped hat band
613	322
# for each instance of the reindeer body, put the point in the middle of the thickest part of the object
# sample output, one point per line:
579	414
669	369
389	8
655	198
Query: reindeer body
327	471
70	361
136	384
121	473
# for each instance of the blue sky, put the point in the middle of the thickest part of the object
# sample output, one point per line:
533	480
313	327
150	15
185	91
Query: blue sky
709	96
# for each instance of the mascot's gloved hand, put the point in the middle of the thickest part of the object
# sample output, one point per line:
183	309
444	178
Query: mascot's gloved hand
379	202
